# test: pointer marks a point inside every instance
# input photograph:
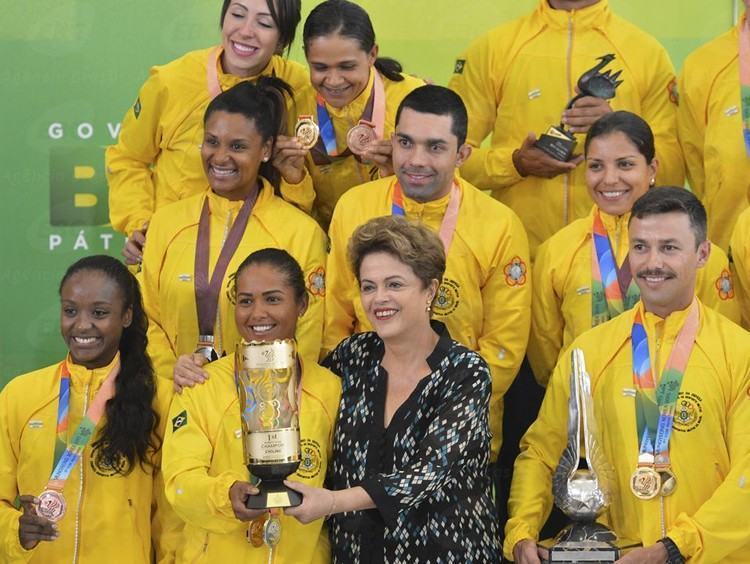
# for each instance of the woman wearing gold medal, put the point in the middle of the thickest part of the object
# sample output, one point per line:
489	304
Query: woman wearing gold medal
157	156
346	115
197	243
204	466
78	439
581	274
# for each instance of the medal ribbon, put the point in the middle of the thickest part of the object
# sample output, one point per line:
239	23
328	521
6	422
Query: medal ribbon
744	55
207	292
655	405
68	454
609	283
450	219
374	115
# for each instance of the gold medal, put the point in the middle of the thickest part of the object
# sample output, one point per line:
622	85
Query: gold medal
52	505
360	137
255	531
668	482
306	131
272	531
645	483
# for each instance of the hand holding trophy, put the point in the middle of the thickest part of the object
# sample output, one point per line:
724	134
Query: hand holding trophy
557	141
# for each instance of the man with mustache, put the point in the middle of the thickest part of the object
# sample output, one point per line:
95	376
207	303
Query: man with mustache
485	296
670	381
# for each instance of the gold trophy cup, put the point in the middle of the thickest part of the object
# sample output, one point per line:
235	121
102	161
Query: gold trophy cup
267	378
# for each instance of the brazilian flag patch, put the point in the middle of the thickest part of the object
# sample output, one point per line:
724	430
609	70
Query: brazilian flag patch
179	421
459	68
137	108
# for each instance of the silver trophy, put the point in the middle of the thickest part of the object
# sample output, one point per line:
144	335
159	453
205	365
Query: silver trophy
583	494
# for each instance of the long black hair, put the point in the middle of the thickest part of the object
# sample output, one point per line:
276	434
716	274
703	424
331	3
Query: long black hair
341	17
286	14
263	103
128	435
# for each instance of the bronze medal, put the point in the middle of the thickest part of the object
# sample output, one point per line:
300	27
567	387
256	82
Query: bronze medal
52	505
645	483
306	131
272	531
255	531
668	482
360	137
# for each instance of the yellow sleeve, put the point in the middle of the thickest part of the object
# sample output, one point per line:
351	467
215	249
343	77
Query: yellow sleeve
160	349
738	250
199	499
11	550
714	285
128	163
660	112
531	498
506	317
477	80
310	328
339	316
301	195
166	526
691	130
716	529
547	322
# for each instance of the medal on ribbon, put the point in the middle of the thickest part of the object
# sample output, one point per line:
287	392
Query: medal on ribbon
450	219
655	406
307	132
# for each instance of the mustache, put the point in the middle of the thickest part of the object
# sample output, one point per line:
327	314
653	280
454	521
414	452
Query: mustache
655	272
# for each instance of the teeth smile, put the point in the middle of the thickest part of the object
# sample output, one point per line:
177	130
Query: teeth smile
385	313
261	328
84	340
220	171
612	194
244	49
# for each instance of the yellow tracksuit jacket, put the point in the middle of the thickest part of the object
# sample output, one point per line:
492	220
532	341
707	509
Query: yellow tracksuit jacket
323	185
104	509
740	252
709	124
169	268
519	77
484	298
157	157
561	304
709	447
204	456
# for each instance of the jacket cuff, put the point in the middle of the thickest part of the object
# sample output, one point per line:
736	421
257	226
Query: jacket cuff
515	535
687	541
386	506
219	495
14	551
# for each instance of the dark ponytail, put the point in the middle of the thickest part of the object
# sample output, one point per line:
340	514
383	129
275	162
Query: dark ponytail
341	17
128	436
262	102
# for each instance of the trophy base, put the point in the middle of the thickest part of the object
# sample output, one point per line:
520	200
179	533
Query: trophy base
273	494
586	542
557	143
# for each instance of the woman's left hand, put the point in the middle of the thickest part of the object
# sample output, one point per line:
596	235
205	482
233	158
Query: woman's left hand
316	502
379	153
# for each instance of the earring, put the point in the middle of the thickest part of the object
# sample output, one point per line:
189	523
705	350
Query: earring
265	159
652	183
429	307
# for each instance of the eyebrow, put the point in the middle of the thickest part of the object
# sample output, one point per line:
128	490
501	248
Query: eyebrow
427	141
266	293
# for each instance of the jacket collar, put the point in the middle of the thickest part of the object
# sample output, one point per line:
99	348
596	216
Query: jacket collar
586	18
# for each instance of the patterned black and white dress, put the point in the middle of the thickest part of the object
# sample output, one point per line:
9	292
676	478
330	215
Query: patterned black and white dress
427	472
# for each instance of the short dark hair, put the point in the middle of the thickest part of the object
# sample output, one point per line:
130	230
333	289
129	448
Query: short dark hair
347	19
282	261
668	199
286	14
631	125
439	101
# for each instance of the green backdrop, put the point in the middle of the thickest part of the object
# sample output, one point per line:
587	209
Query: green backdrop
71	68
